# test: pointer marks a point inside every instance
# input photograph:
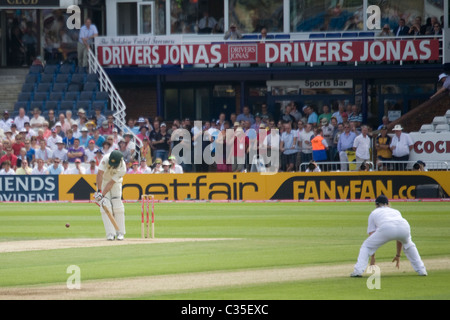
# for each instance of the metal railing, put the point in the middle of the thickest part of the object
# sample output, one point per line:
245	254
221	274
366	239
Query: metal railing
116	103
338	166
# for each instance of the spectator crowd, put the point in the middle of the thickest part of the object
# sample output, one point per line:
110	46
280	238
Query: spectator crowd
67	144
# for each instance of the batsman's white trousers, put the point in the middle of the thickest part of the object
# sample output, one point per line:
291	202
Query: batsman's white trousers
397	230
116	208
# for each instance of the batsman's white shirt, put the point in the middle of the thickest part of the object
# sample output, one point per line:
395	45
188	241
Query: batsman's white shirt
110	173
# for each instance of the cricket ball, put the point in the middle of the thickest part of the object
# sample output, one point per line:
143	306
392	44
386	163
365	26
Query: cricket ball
67	225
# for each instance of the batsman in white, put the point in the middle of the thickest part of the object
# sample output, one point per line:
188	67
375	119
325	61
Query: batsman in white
111	170
387	224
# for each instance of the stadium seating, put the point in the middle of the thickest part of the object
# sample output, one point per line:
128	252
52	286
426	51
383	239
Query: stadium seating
61	87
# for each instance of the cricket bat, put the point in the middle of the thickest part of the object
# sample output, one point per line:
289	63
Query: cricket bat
110	216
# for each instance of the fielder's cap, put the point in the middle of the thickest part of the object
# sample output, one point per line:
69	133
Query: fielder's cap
442	76
397	127
382	199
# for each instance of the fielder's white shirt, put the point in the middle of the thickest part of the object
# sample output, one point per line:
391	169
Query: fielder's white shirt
383	215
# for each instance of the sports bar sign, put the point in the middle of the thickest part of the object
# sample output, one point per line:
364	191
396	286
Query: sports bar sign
172	51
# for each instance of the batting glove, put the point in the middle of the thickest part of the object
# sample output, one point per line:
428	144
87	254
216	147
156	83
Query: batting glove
98	197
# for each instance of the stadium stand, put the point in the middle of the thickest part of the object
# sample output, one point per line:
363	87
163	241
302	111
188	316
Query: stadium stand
60	87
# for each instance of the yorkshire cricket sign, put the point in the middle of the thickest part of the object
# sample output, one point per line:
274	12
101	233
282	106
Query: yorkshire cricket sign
228	186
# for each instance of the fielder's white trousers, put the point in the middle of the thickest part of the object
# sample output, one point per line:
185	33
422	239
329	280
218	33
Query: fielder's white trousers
388	232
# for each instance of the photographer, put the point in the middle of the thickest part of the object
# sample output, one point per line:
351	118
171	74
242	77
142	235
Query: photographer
313	167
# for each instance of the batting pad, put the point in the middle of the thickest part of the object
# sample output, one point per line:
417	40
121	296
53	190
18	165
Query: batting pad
118	211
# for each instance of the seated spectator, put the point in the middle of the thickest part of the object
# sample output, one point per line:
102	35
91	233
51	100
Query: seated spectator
47	132
60	152
105	129
56	168
40	168
51	119
7	170
75	131
98	156
143	167
125	152
166	167
99	117
134	168
158	166
24	168
106	148
90	151
98	138
85	137
69	139
36	120
18	144
93	168
44	153
77	168
53	140
75	152
176	168
64	123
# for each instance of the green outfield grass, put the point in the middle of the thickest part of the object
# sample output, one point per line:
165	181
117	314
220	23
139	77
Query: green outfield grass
265	235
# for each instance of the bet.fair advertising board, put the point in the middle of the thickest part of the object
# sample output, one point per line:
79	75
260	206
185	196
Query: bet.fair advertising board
228	186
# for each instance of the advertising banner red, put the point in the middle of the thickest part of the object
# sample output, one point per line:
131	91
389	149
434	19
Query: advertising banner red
268	52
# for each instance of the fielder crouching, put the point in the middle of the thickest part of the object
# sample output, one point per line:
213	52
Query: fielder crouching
111	170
